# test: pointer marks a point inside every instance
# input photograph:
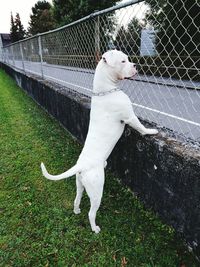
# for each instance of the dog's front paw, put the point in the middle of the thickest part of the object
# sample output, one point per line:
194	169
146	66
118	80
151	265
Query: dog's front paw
150	131
96	229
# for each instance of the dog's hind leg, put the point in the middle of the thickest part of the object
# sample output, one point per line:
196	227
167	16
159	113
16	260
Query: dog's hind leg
79	193
93	182
95	204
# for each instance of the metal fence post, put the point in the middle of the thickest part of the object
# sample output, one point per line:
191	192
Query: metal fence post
40	54
97	40
22	56
5	55
13	56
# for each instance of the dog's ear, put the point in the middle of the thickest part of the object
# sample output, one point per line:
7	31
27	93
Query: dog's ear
109	58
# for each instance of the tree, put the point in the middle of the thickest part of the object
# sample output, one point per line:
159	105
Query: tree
13	30
20	28
128	40
177	23
17	30
66	11
90	37
41	19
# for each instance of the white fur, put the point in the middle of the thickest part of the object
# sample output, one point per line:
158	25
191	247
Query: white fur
109	114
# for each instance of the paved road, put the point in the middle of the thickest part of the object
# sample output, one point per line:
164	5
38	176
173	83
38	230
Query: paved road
168	102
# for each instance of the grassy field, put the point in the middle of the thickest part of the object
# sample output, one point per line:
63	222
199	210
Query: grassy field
37	224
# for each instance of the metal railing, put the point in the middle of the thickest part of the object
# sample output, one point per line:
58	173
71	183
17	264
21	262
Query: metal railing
162	38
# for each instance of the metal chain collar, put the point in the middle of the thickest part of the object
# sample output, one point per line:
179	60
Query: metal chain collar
106	93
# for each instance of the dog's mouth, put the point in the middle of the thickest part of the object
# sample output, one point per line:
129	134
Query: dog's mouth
131	77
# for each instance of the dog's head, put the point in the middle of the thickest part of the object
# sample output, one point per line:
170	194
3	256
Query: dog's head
118	62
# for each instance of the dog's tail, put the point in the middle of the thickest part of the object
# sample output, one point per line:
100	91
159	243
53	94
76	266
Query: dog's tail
64	175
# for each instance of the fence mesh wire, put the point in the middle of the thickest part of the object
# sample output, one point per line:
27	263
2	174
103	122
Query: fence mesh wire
161	37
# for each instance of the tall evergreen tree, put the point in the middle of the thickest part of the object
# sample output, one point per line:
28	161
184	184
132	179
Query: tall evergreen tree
17	30
41	19
13	30
20	28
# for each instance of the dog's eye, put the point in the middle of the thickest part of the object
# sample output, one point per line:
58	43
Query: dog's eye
123	61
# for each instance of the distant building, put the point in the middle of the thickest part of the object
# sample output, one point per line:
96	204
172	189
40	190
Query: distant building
5	39
148	42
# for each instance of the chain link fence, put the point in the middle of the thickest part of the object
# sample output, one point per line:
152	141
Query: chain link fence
161	37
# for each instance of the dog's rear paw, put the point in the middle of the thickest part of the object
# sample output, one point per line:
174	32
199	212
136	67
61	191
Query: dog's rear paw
77	211
96	229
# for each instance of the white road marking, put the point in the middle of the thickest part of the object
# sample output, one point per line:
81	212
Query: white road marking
167	114
85	88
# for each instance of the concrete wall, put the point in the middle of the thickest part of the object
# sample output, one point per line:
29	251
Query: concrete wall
163	173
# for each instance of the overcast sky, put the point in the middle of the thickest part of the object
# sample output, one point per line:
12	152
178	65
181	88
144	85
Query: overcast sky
23	7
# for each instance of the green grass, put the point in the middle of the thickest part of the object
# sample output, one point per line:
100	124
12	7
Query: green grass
37	224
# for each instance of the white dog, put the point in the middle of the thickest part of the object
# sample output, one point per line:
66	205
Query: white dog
111	109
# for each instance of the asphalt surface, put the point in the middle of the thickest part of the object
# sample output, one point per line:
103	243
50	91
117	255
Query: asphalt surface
171	103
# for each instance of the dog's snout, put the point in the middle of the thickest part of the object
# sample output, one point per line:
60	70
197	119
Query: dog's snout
134	65
134	68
